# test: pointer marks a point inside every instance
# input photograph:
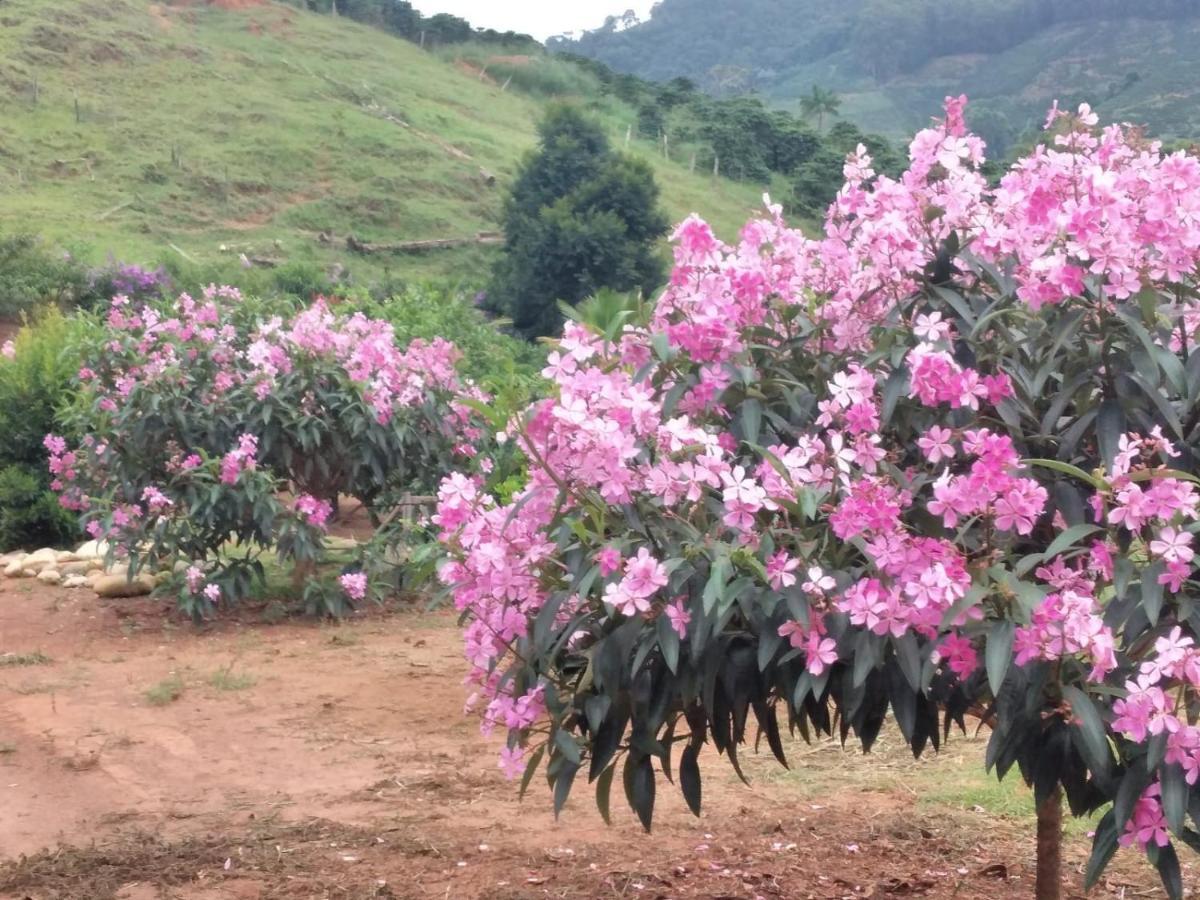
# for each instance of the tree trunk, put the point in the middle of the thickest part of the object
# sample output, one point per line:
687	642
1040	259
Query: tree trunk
1049	847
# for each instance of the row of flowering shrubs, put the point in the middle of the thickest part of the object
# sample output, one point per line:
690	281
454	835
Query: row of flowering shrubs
218	428
940	459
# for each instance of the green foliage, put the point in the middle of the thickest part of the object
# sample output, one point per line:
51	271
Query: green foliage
31	274
34	385
892	61
820	103
580	217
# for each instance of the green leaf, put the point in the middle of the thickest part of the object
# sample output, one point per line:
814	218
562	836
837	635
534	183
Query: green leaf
893	389
751	420
1152	591
604	793
531	768
642	788
1104	846
1066	469
1089	728
568	745
562	784
714	589
1174	796
908	654
1167	862
1069	538
689	777
998	654
1110	425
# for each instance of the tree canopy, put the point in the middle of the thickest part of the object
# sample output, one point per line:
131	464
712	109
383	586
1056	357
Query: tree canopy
581	217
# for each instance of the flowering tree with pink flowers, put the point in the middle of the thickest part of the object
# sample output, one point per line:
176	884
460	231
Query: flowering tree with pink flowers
221	427
938	461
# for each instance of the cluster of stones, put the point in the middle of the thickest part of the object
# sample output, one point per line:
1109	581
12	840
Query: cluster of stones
87	567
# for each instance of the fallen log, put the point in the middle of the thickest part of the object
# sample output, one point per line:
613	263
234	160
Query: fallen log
484	237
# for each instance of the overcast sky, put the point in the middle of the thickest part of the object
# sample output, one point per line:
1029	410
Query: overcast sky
541	18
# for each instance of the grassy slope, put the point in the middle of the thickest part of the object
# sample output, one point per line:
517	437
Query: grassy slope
279	119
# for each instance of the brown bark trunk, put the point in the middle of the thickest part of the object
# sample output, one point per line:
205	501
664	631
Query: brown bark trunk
1049	847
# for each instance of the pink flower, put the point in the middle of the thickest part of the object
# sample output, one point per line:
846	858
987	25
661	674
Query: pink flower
354	585
609	560
679	617
936	444
821	652
8	350
512	762
313	511
643	575
779	570
212	593
1173	546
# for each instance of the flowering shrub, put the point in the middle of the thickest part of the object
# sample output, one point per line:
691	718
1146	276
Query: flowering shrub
938	460
199	413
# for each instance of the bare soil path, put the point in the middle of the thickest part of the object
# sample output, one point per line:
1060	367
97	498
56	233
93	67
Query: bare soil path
142	758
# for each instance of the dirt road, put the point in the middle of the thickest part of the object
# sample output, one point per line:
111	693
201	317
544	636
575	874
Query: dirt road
142	758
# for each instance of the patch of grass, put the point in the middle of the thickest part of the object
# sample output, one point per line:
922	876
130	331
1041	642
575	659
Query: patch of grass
219	132
227	680
951	780
7	749
37	658
344	639
165	692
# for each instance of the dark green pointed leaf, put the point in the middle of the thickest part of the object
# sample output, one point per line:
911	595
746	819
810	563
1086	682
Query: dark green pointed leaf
998	654
752	413
604	793
1067	539
531	768
689	777
1088	731
1104	845
1174	796
1110	425
1152	591
908	654
562	784
642	788
1167	863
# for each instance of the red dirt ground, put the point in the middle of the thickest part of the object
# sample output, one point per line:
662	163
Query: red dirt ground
341	767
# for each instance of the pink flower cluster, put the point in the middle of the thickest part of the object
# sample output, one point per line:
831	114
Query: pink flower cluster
243	458
313	511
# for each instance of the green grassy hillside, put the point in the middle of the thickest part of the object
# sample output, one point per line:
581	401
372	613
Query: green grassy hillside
243	126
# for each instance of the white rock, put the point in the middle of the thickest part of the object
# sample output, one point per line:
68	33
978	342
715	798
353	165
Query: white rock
49	576
76	581
46	554
15	568
92	550
66	556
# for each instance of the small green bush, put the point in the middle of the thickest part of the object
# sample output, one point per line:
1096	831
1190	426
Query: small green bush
34	385
31	273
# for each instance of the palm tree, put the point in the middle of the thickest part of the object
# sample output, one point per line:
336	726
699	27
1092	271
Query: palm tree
820	103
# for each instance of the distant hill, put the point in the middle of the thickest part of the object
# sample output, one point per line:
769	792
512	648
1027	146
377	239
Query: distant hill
247	127
893	61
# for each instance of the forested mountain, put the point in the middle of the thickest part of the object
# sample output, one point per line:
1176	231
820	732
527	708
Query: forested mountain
893	60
